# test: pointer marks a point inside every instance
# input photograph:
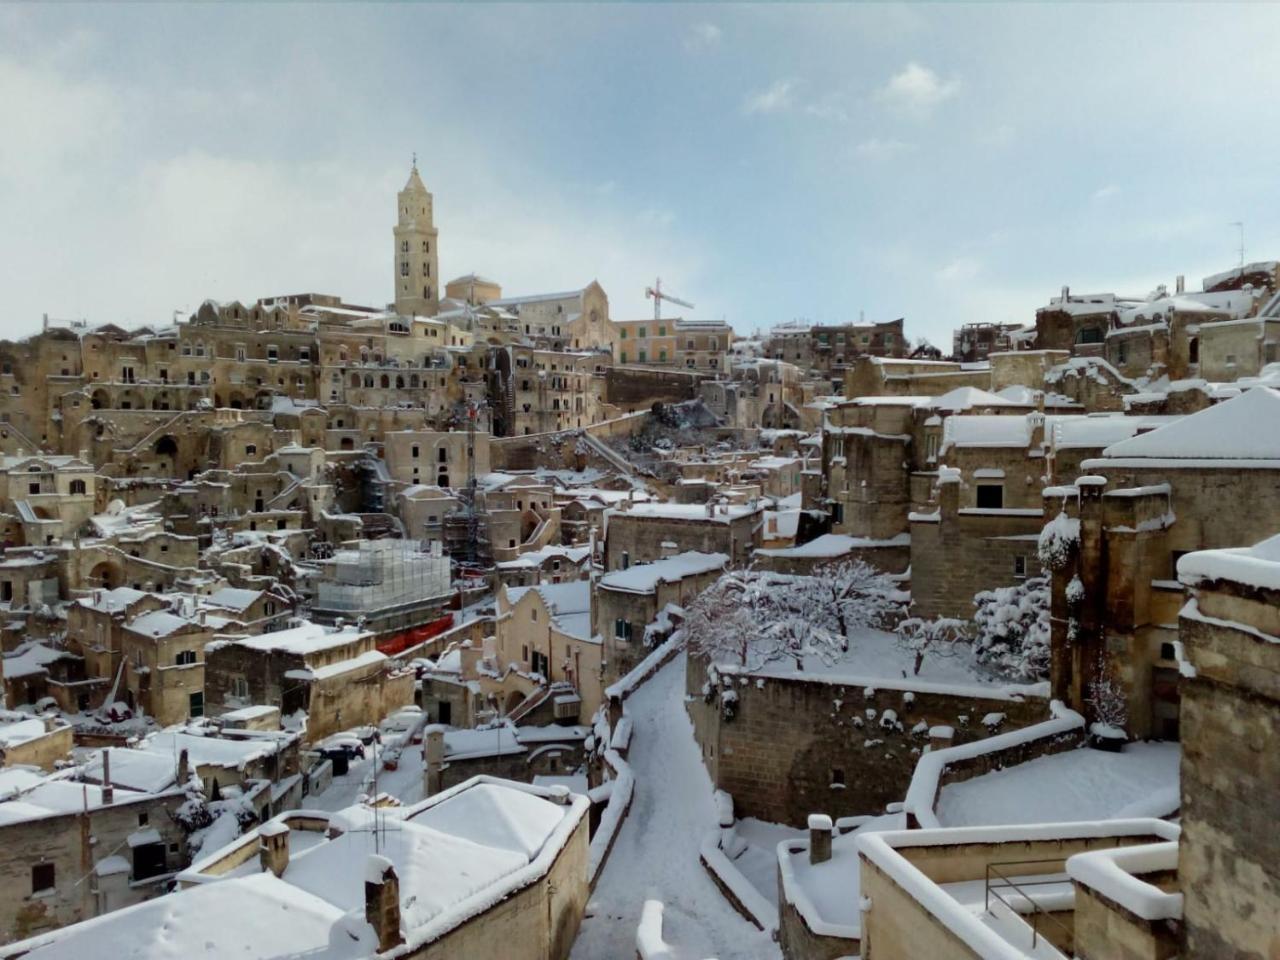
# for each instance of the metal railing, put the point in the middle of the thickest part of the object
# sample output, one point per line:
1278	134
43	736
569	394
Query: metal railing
1018	885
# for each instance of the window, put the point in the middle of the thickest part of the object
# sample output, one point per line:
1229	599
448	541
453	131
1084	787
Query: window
148	861
185	658
42	877
662	331
533	614
250	449
1122	354
1019	566
442	455
662	356
990	496
196	708
626	560
144	818
1167	651
837	777
413	451
931	444
1231	359
404	268
643	333
240	352
33	487
239	688
404	246
273	353
622	629
126	374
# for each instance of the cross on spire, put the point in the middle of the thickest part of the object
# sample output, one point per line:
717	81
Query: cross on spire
415	159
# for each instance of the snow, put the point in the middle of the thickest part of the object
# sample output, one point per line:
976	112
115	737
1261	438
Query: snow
827	894
211	751
923	791
1225	431
286	921
304	639
688	511
145	770
1079	784
832	545
369	658
673	800
13	733
569	604
30	659
1255	566
1111	873
645	578
495	816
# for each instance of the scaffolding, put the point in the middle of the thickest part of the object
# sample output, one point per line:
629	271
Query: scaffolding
370	578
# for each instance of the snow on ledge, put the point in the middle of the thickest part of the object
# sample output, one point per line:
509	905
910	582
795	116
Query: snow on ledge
762	912
1111	873
881	850
623	787
1256	566
922	794
1011	692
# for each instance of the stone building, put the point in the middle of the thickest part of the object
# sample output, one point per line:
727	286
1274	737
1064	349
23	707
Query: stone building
828	350
630	608
1122	527
1227	856
71	850
335	676
544	648
417	253
644	532
487	868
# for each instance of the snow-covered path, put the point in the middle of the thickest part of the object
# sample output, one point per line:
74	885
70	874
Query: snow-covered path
656	852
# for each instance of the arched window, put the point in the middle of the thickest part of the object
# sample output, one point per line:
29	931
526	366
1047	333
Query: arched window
385	381
399	383
77	487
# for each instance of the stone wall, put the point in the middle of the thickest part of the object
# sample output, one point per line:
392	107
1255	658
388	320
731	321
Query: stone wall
1229	863
961	552
630	388
73	843
796	746
1104	930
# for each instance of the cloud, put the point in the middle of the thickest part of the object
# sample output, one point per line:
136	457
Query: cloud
702	36
1103	194
778	97
1000	136
875	148
961	268
828	108
656	217
917	89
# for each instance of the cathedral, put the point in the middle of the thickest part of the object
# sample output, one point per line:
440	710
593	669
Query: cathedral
417	257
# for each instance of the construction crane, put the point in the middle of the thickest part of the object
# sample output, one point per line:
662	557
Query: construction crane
655	292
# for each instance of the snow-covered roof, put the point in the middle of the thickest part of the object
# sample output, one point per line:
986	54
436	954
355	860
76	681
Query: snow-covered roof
690	511
966	398
30	659
1236	429
1256	566
569	604
211	750
832	545
307	638
551	551
112	601
645	577
143	769
1260	266
233	598
986	430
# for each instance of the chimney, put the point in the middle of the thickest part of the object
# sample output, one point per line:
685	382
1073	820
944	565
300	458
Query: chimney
382	901
1066	293
108	793
433	756
819	838
184	768
273	847
1181	286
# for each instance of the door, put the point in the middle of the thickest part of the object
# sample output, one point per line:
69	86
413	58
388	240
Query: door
196	704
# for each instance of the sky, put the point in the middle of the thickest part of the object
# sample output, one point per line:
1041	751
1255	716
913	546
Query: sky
943	163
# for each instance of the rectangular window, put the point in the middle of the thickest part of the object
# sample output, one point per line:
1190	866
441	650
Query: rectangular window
239	688
42	877
196	702
1019	566
240	352
185	658
990	496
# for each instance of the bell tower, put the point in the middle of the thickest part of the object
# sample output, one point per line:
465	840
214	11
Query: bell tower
417	273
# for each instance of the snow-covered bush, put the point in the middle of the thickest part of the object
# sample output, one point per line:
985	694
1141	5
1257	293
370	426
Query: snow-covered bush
752	617
938	637
1058	541
1108	705
1012	629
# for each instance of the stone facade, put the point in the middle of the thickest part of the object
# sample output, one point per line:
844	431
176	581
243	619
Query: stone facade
794	746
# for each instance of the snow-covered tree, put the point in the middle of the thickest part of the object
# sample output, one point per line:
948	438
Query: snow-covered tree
937	637
1108	706
1012	629
752	617
1058	540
